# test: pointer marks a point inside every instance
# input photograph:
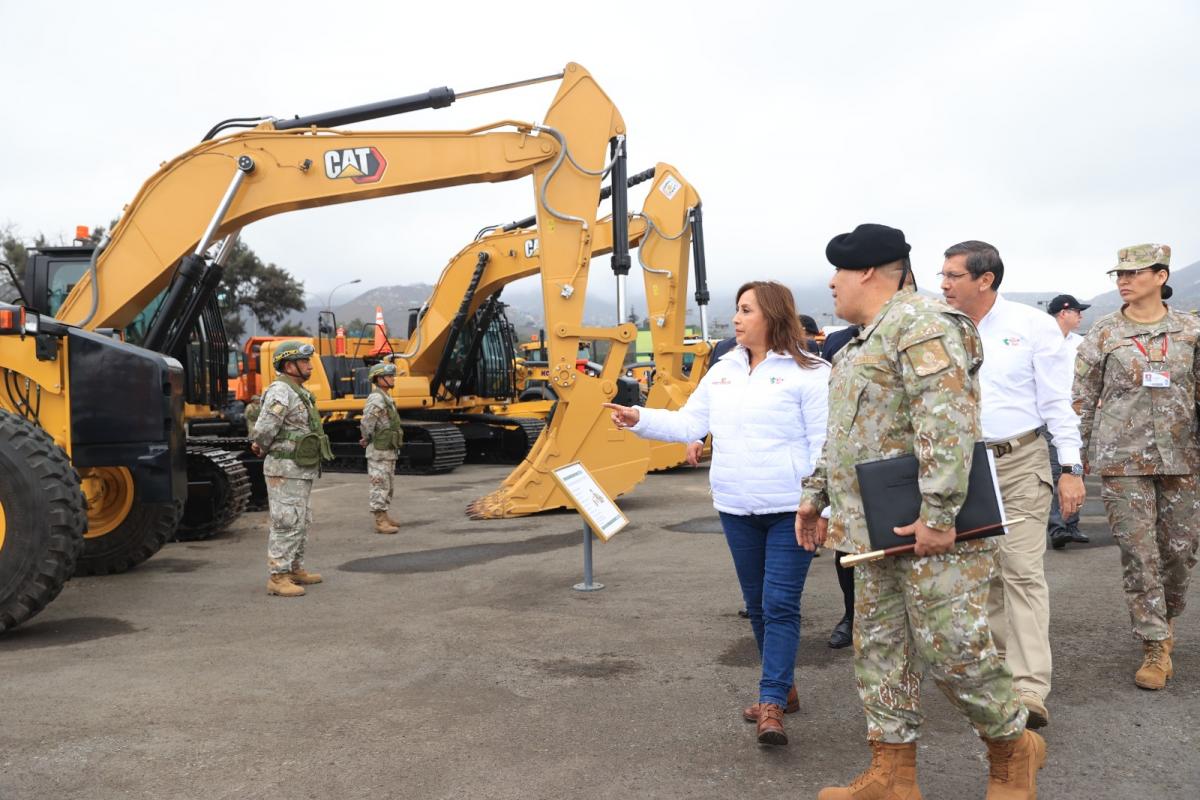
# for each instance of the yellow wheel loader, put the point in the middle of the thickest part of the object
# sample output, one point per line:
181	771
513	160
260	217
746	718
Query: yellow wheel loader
92	477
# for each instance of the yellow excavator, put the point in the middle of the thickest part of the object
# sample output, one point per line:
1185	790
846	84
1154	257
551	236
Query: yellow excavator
155	280
441	377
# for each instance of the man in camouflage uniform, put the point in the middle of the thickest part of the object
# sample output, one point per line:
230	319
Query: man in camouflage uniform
253	409
289	434
381	435
906	384
1142	364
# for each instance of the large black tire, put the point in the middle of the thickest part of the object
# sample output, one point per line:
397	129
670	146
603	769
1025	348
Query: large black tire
143	532
44	518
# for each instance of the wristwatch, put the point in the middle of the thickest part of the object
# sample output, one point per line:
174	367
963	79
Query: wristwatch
1072	469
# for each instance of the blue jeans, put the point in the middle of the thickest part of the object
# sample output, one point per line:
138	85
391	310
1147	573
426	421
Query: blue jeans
771	568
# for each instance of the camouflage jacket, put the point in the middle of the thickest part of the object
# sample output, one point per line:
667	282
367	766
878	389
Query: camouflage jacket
378	415
1128	428
283	411
906	384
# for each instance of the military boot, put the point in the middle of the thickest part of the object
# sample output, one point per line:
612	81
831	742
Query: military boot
302	577
393	522
1156	666
1014	765
383	525
892	775
280	583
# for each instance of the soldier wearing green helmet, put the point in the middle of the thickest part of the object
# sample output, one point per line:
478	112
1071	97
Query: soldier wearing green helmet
288	434
382	436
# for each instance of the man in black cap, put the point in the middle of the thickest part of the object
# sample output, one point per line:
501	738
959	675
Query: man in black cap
1068	313
907	384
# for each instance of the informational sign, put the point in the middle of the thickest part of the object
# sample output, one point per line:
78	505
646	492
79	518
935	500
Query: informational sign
596	507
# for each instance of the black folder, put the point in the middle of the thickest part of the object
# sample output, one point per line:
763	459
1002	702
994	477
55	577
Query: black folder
892	498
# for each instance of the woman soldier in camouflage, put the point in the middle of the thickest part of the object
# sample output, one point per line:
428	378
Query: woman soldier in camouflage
382	436
1136	375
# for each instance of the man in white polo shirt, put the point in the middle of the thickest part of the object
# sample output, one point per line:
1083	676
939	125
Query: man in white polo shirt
1025	384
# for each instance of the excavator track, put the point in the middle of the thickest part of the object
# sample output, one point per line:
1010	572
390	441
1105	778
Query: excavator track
435	448
218	492
430	448
518	443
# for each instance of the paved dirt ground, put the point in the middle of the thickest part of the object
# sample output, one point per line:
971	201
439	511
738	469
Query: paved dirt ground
454	660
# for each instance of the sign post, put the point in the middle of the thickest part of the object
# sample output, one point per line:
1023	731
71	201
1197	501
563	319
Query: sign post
600	514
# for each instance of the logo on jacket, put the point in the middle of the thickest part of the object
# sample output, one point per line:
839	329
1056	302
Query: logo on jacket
359	164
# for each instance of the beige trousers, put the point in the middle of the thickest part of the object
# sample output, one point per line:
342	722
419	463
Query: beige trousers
1019	601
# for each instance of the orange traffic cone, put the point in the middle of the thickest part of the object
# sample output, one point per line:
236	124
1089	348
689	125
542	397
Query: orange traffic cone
381	343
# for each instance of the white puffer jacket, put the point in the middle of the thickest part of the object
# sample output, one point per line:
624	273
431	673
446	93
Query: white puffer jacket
768	428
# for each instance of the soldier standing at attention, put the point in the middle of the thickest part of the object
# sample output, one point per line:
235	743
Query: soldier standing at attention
1024	385
906	384
289	434
1143	365
381	435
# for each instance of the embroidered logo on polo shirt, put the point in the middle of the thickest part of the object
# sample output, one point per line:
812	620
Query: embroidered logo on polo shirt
774	381
1012	341
722	382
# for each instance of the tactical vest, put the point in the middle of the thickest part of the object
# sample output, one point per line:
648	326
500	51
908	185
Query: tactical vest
391	437
312	447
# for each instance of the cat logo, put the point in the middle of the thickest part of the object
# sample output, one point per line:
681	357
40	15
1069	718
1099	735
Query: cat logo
531	248
359	164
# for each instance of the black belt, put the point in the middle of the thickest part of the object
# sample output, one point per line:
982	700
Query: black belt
1005	447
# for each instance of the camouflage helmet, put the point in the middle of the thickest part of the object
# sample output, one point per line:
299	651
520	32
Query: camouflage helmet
381	371
1140	256
291	350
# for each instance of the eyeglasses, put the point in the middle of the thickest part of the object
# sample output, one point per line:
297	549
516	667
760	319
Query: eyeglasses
950	276
1119	275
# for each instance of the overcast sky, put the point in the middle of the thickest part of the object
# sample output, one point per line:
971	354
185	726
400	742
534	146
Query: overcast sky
1058	131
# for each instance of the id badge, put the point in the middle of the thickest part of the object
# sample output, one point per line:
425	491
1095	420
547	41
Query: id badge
1156	378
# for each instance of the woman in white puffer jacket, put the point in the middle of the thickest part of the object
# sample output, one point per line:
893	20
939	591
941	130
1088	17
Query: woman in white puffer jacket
765	403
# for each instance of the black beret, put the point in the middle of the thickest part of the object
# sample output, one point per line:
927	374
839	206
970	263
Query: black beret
869	245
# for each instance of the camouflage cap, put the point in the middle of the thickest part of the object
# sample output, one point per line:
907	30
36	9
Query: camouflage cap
1140	256
381	370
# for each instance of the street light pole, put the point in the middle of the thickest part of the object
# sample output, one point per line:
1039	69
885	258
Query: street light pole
329	302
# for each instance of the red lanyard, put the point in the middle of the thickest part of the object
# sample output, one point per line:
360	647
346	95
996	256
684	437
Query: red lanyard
1142	347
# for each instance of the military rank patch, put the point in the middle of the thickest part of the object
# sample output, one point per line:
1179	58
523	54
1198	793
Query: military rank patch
928	357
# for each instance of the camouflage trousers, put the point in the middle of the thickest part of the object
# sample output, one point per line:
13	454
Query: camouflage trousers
917	614
1156	521
381	472
291	514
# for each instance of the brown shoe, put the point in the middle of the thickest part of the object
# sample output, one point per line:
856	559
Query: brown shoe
750	713
1156	666
770	724
1039	717
382	525
280	584
393	522
1014	765
302	577
892	775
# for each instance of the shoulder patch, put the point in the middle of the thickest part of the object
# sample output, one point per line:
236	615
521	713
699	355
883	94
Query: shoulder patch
928	357
278	408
